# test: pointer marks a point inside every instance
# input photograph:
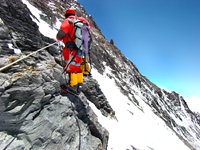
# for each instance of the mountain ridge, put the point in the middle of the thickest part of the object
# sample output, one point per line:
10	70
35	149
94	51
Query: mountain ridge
171	107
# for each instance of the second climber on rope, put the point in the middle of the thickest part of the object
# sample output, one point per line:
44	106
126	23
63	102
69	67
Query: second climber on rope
74	49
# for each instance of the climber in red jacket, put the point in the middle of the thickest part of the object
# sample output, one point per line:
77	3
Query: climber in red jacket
72	56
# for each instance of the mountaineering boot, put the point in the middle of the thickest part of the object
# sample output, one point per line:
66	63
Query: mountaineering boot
73	89
67	88
79	88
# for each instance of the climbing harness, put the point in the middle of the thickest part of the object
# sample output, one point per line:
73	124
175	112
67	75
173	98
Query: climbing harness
69	62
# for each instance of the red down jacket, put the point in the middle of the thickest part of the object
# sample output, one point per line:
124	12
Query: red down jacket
64	34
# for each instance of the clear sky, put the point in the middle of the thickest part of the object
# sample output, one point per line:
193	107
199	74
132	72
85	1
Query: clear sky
161	37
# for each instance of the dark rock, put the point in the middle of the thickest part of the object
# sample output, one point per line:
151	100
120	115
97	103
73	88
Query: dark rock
33	114
93	93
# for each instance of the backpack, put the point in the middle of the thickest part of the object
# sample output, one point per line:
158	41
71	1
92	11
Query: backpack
81	37
81	41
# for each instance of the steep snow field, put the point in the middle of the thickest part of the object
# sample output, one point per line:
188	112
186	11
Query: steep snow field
193	103
141	129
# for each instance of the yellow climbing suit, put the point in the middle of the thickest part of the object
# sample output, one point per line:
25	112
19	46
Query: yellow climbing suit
75	78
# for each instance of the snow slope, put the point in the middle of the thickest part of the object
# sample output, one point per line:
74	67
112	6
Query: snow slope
193	103
141	129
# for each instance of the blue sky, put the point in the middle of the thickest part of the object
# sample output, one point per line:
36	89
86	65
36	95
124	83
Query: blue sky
161	37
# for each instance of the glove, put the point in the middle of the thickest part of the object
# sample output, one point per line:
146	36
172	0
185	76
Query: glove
60	44
17	51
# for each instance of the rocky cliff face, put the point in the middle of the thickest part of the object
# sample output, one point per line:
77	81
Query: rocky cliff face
33	114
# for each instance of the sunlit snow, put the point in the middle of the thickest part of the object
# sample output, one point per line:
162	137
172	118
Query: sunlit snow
44	27
139	128
193	103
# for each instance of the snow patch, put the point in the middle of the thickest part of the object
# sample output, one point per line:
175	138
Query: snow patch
193	103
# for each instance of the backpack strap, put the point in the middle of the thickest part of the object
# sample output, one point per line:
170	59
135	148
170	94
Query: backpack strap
90	62
76	26
70	44
89	50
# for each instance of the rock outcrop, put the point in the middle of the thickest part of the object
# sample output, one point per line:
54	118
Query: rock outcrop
33	113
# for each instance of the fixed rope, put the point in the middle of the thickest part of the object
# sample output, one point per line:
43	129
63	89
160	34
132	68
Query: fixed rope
33	53
79	128
9	65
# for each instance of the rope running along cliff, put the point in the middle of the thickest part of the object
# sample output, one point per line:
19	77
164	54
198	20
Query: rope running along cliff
33	53
9	65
